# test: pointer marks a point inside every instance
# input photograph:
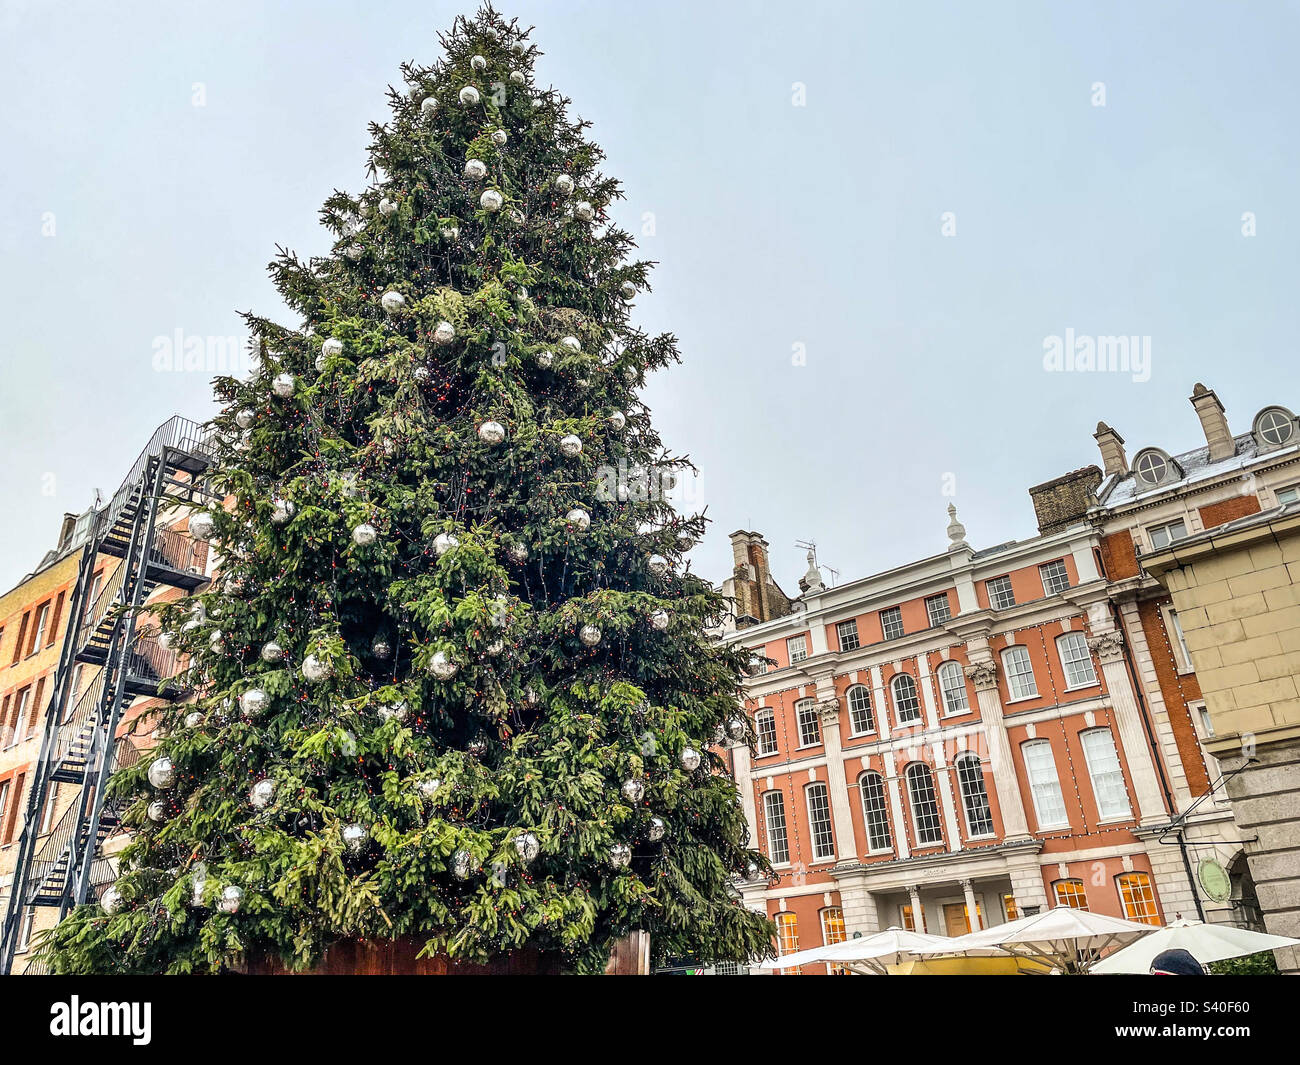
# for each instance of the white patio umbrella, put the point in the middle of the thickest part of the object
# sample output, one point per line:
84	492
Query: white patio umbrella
868	954
1071	940
1204	942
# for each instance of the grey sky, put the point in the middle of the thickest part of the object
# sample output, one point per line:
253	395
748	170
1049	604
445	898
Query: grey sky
776	225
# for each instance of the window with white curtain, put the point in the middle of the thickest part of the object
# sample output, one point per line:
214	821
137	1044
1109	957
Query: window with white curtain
1020	672
1076	660
952	685
1105	772
1044	785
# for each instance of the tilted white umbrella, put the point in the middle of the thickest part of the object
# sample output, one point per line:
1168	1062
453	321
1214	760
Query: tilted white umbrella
868	954
1069	939
1204	942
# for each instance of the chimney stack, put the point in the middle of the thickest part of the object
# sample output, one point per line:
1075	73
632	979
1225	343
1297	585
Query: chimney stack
1213	422
1111	443
755	595
1065	501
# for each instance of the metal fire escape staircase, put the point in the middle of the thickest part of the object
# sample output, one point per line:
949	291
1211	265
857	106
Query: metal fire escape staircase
61	865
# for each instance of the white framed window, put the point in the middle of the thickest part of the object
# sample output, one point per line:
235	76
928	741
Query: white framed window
1151	467
875	811
1020	672
974	795
1105	772
891	623
24	702
907	707
1076	659
47	810
1289	494
797	648
765	730
1162	536
4	801
1201	713
778	844
1044	785
819	822
1138	898
937	609
1056	578
952	686
810	729
925	804
24	939
846	632
1177	639
1000	594
833	932
42	620
861	717
1275	426
787	939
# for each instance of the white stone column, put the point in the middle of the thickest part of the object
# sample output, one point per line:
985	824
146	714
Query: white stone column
896	810
742	770
918	914
1109	649
927	691
879	704
983	674
972	906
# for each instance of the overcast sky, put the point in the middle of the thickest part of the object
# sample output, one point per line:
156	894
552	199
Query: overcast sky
847	362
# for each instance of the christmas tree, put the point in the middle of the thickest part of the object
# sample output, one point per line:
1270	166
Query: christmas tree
453	680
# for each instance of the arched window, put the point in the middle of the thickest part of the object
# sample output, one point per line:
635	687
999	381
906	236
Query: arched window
875	811
1044	784
819	822
778	844
810	729
1070	893
860	715
833	932
787	939
952	684
765	729
1274	427
1138	898
925	804
907	706
974	796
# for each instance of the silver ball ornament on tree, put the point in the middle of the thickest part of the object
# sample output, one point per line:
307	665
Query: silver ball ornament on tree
464	865
332	347
517	553
381	648
491	432
244	418
111	902
444	542
491	200
253	702
282	510
354	251
428	105
476	748
571	344
387	207
736	728
589	635
570	446
620	855
633	790
499	137
194	719
315	669
563	184
584	210
201	525
617	420
272	651
658	565
443	334
546	359
157	811
355	837
364	534
428	786
475	169
517	77
162	773
659	620
528	846
657	830
231	899
690	759
451	232
628	290
478	62
443	666
392	301
261	793
394	712
578	520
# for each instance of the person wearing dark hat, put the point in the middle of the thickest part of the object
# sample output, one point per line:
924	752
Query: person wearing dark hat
1176	962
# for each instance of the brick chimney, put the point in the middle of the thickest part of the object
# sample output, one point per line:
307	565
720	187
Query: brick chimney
1113	459
1066	500
1213	422
755	595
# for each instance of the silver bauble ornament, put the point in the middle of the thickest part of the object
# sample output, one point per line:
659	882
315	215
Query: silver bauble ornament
582	209
496	647
617	420
387	207
244	419
217	640
421	374
442	666
491	432
231	898
657	829
578	520
464	865
272	651
475	169
392	301
571	344
690	759
628	290
736	728
316	670
162	773
394	711
444	333
261	793
428	786
620	855
354	251
517	553
564	184
751	870
364	534
194	719
111	902
517	77
659	620
476	748
528	846
282	510
444	542
570	446
201	525
478	62
545	359
517	217
451	232
157	811
381	648
499	137
428	105
491	200
531	696
633	790
320	362
331	347
658	565
355	837
589	635
253	702
165	640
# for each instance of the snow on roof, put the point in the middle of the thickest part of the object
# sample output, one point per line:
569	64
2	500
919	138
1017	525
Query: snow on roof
1196	467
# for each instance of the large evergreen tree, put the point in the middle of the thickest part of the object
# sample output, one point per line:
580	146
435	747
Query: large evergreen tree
454	680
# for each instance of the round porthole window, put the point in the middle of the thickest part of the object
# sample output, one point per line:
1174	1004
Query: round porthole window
1275	426
1151	467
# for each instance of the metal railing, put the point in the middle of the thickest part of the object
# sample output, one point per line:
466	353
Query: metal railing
177	551
77	724
148	659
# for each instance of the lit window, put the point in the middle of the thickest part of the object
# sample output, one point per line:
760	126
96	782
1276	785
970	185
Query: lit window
925	804
952	685
787	939
1076	659
1164	535
1138	898
810	730
819	822
765	729
1020	672
1000	594
1044	786
833	932
778	848
1009	905
974	796
860	715
797	649
909	919
1070	893
907	706
875	811
937	609
1056	577
891	623
1107	776
847	633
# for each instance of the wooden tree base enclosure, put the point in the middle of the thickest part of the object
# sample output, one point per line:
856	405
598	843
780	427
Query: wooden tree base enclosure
398	957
